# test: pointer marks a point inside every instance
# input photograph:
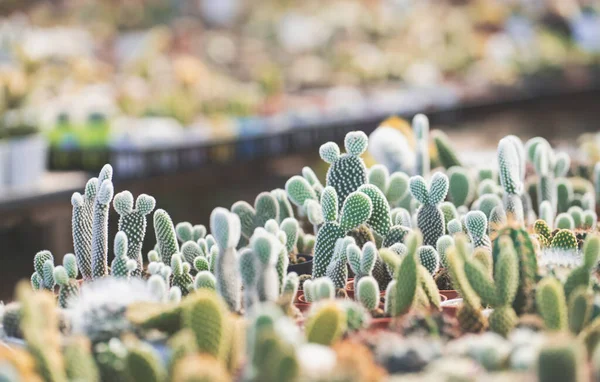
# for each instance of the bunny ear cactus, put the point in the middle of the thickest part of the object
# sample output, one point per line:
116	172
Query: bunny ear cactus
337	270
581	276
430	218
181	274
43	277
100	229
312	179
184	231
499	292
449	210
205	280
285	208
380	219
486	203
476	223
442	246
266	207
576	213
511	165
367	293
564	240
122	266
82	220
266	249
226	229
406	280
461	187
68	287
551	304
429	258
326	324
299	191
561	359
528	266
580	307
166	238
497	221
355	211
446	153
565	194
541	228
420	125
347	172
143	364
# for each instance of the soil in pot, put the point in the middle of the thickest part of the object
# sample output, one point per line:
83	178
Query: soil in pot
302	267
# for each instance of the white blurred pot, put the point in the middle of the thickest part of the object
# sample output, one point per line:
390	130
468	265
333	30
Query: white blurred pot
26	160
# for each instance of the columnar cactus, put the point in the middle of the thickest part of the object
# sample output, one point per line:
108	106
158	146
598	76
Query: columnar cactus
498	220
403	294
461	186
132	221
100	229
226	229
590	220
122	266
326	324
551	304
337	270
266	207
420	125
511	166
476	223
43	277
347	172
446	153
166	238
82	220
500	292
356	210
430	218
181	274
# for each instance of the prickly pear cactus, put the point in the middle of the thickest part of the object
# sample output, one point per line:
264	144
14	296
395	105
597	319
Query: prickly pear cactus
430	218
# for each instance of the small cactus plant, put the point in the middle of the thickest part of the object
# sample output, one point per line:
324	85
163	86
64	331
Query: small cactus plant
166	238
430	218
122	266
325	324
511	172
226	229
266	207
476	223
461	187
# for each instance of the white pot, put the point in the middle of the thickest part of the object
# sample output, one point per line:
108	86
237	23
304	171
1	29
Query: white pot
27	160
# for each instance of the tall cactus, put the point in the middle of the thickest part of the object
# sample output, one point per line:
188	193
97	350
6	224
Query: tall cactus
226	229
100	229
356	210
82	220
347	172
511	172
132	221
430	218
166	238
266	249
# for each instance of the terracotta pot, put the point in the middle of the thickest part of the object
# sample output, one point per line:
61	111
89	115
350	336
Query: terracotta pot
450	294
451	306
304	268
380	323
301	303
350	288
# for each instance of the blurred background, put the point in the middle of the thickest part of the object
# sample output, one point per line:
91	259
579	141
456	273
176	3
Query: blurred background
201	103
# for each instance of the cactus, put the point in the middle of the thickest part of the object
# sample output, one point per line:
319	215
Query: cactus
576	213
446	153
355	211
501	291
361	263
192	253
394	187
43	264
100	229
551	304
79	362
325	324
430	218
337	270
449	210
461	187
226	229
564	221
248	271
486	203
405	288
205	280
347	172
207	317
420	125
166	238
122	266
429	258
11	320
454	227
83	208
541	228
133	223
561	360
564	240
498	220
580	276
528	267
68	287
285	208
186	232
367	292
476	223
181	274
292	233
199	367
543	163
380	219
442	246
143	364
564	195
579	308
488	187
511	172
266	207
299	191
266	248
